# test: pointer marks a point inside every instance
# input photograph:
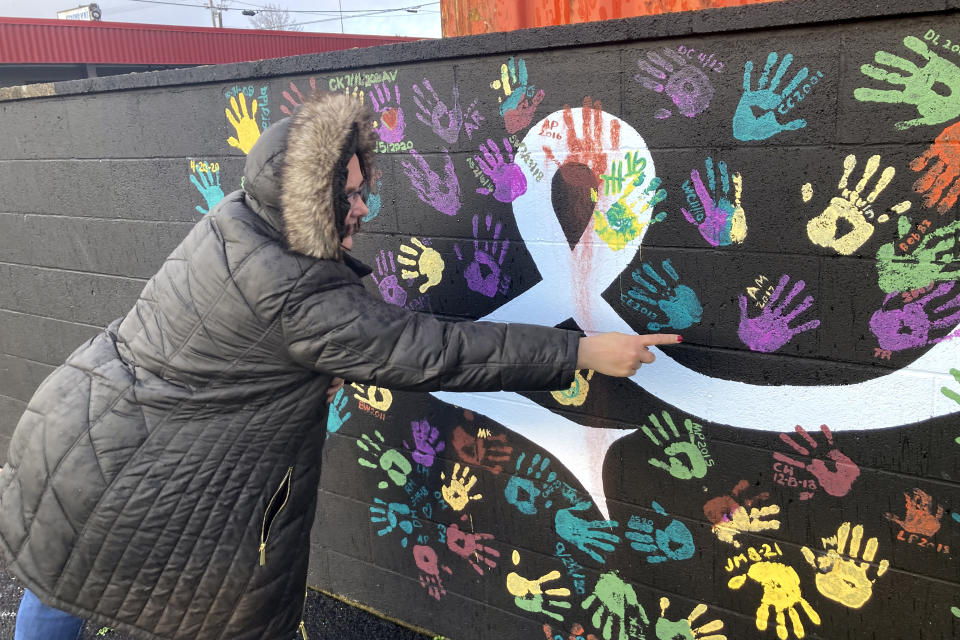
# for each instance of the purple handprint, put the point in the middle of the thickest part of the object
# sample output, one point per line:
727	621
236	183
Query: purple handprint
508	179
771	329
425	440
443	195
388	283
391	125
490	257
687	86
909	327
434	113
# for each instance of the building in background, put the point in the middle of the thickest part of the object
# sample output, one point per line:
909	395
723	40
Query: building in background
37	50
470	17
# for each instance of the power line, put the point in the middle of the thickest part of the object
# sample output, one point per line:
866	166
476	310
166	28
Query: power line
266	10
371	13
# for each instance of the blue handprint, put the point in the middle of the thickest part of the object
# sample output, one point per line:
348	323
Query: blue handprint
517	486
678	302
335	415
208	185
390	514
673	542
748	126
586	533
374	204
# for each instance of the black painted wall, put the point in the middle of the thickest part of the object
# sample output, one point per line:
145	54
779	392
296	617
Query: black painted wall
803	241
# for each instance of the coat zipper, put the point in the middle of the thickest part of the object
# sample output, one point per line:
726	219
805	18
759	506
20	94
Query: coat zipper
303	610
269	518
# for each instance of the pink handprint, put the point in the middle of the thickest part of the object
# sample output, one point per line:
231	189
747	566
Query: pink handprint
391	125
441	194
771	329
434	113
508	179
836	482
425	439
489	257
295	102
909	327
388	282
430	568
470	547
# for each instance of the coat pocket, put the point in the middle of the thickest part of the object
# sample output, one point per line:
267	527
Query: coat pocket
277	502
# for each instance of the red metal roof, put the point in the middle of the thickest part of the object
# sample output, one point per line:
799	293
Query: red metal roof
35	41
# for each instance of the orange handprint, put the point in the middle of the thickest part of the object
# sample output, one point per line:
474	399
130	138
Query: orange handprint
919	517
576	633
942	164
588	148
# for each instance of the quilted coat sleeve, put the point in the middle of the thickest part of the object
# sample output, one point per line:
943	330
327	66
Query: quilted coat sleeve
345	331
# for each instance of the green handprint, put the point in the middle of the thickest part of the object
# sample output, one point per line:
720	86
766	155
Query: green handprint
918	84
936	259
697	467
387	460
616	601
953	395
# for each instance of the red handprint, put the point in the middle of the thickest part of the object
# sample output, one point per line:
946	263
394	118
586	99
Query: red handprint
942	164
591	149
295	102
426	559
488	453
836	482
919	517
469	547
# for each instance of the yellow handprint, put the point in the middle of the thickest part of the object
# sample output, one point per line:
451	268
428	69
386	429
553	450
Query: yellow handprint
529	594
576	394
377	397
781	591
741	520
839	577
356	94
245	125
617	217
684	628
457	493
429	264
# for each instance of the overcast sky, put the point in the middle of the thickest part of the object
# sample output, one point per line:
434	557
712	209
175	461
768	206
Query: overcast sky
424	23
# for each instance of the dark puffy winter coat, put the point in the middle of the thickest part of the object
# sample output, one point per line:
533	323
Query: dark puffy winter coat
164	480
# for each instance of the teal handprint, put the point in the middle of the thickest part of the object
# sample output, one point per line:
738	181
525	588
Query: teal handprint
673	542
522	492
936	259
335	415
208	185
676	301
918	84
374	203
746	124
586	533
391	515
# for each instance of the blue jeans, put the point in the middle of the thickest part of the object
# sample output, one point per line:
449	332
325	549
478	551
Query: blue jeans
37	621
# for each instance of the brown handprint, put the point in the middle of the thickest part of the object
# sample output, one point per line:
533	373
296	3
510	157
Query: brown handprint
591	149
730	518
488	453
294	102
836	482
576	633
919	517
942	164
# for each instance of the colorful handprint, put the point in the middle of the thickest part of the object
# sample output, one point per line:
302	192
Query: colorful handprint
391	126
730	518
719	220
520	99
529	594
836	481
746	124
677	302
771	330
675	629
917	84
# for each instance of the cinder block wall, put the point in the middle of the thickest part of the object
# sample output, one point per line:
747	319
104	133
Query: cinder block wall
791	470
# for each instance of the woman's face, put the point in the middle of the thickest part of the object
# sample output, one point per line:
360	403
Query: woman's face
355	187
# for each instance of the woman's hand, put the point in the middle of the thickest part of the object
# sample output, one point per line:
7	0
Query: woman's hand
335	385
619	354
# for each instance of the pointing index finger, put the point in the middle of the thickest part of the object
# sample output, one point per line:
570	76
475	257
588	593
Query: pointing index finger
655	339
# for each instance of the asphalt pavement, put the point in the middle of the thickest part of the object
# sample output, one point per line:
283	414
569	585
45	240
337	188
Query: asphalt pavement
325	618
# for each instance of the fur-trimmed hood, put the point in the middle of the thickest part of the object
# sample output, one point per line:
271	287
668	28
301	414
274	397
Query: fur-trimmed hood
297	170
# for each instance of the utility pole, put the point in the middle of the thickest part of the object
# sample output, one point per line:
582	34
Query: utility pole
213	15
340	4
